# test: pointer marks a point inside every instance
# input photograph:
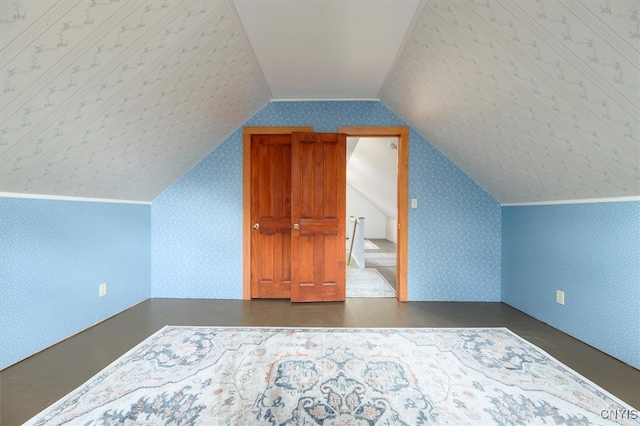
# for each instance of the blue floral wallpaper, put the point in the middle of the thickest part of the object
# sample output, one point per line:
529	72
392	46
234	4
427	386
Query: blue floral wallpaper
589	251
454	242
55	254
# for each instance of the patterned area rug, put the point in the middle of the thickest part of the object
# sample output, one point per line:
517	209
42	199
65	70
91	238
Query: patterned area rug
367	282
379	259
254	376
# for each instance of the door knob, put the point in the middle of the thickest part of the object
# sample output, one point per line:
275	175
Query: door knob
256	225
296	226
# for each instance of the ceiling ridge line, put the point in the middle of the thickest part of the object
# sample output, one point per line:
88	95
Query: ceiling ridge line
552	118
78	157
248	47
522	119
408	36
113	99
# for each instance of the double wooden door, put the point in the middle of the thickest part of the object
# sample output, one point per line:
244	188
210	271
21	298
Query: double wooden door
298	184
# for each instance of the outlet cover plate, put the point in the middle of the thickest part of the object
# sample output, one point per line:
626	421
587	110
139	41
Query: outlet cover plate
102	289
560	297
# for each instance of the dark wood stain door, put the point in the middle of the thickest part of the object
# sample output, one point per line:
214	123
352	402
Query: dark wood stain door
318	176
271	216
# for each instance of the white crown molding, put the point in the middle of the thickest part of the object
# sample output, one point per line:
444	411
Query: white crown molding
580	201
67	198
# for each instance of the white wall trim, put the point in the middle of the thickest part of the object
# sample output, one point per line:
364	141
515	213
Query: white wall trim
580	201
67	198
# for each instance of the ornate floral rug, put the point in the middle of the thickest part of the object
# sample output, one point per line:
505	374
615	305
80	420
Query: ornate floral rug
272	376
367	282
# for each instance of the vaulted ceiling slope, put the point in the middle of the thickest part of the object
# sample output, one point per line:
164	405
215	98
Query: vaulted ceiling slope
536	101
117	100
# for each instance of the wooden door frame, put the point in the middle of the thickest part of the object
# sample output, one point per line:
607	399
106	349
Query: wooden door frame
247	132
402	133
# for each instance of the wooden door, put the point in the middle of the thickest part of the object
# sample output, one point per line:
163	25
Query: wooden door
271	216
318	184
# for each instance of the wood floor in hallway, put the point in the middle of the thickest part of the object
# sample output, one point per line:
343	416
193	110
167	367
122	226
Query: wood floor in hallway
30	386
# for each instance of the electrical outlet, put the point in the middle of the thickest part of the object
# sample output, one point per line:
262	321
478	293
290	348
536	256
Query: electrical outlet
560	297
414	203
102	289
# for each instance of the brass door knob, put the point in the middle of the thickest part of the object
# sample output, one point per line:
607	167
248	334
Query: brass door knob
256	225
296	226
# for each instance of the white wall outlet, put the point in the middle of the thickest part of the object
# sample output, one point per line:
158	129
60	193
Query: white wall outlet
102	289
560	297
414	203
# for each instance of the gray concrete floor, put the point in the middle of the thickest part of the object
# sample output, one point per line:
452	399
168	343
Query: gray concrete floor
30	386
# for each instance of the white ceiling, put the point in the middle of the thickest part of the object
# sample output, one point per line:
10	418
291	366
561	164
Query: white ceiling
536	101
325	49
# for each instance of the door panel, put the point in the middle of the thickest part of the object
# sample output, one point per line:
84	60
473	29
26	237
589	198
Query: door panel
318	176
271	210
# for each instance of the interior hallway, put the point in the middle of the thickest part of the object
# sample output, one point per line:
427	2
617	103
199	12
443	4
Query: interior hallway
385	246
30	386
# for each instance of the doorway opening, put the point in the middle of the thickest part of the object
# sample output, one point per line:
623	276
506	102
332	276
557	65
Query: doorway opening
372	216
401	135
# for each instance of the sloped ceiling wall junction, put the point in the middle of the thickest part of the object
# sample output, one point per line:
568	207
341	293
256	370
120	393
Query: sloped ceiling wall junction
536	101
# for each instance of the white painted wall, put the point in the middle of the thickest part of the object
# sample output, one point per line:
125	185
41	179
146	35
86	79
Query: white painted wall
375	221
392	229
372	170
372	173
